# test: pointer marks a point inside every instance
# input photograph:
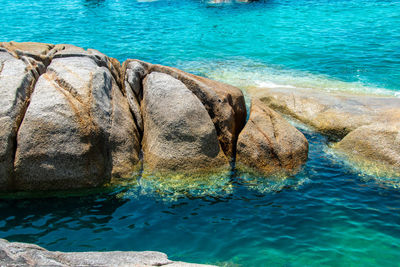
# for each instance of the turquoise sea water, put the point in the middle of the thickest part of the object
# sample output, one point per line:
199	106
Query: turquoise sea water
327	215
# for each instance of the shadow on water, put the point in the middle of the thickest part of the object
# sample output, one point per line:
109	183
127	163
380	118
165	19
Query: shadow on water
93	3
29	220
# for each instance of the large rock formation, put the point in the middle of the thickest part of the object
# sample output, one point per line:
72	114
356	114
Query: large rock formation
24	255
178	132
75	118
269	145
367	124
74	131
225	104
17	80
333	114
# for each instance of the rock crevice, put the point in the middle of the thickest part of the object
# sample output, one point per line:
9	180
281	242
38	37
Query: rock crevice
83	119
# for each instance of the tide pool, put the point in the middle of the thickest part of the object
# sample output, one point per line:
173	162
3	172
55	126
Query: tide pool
329	214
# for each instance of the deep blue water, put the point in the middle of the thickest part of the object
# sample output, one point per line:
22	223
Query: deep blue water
329	214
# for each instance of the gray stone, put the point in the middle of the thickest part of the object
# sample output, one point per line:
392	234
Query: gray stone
179	135
134	72
224	103
367	125
23	254
334	114
375	148
74	126
269	145
38	51
17	78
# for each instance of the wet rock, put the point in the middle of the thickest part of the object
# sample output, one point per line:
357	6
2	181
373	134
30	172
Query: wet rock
269	145
23	254
74	133
333	114
367	125
179	134
374	147
17	78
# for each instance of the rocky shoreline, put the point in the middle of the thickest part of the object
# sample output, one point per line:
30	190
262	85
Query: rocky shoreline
364	129
75	118
13	254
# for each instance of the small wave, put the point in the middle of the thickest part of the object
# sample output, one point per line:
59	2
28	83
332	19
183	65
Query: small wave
245	73
270	84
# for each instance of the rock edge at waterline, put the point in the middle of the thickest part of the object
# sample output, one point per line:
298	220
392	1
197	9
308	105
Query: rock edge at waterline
24	254
74	118
365	127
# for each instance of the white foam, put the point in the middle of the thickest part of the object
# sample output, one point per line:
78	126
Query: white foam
245	73
270	84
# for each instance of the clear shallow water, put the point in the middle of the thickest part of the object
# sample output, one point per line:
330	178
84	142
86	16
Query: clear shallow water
355	41
329	214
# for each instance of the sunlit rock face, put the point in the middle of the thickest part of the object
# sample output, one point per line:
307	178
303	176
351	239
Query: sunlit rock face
75	128
178	132
374	148
269	145
17	78
224	103
24	254
332	113
365	126
75	118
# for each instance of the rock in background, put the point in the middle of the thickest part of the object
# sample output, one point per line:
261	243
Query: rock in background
366	126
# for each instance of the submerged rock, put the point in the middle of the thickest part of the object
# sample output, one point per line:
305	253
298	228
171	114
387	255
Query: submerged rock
178	132
374	147
23	254
367	125
269	145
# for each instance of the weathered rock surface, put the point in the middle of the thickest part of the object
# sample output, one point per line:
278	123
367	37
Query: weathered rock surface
224	103
367	124
17	79
269	145
38	51
75	118
23	254
75	129
134	73
179	134
375	147
334	114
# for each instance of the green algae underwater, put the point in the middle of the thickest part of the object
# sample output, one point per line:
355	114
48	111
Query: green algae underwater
329	214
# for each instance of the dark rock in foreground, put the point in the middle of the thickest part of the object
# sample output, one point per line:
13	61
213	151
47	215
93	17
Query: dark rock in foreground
23	254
